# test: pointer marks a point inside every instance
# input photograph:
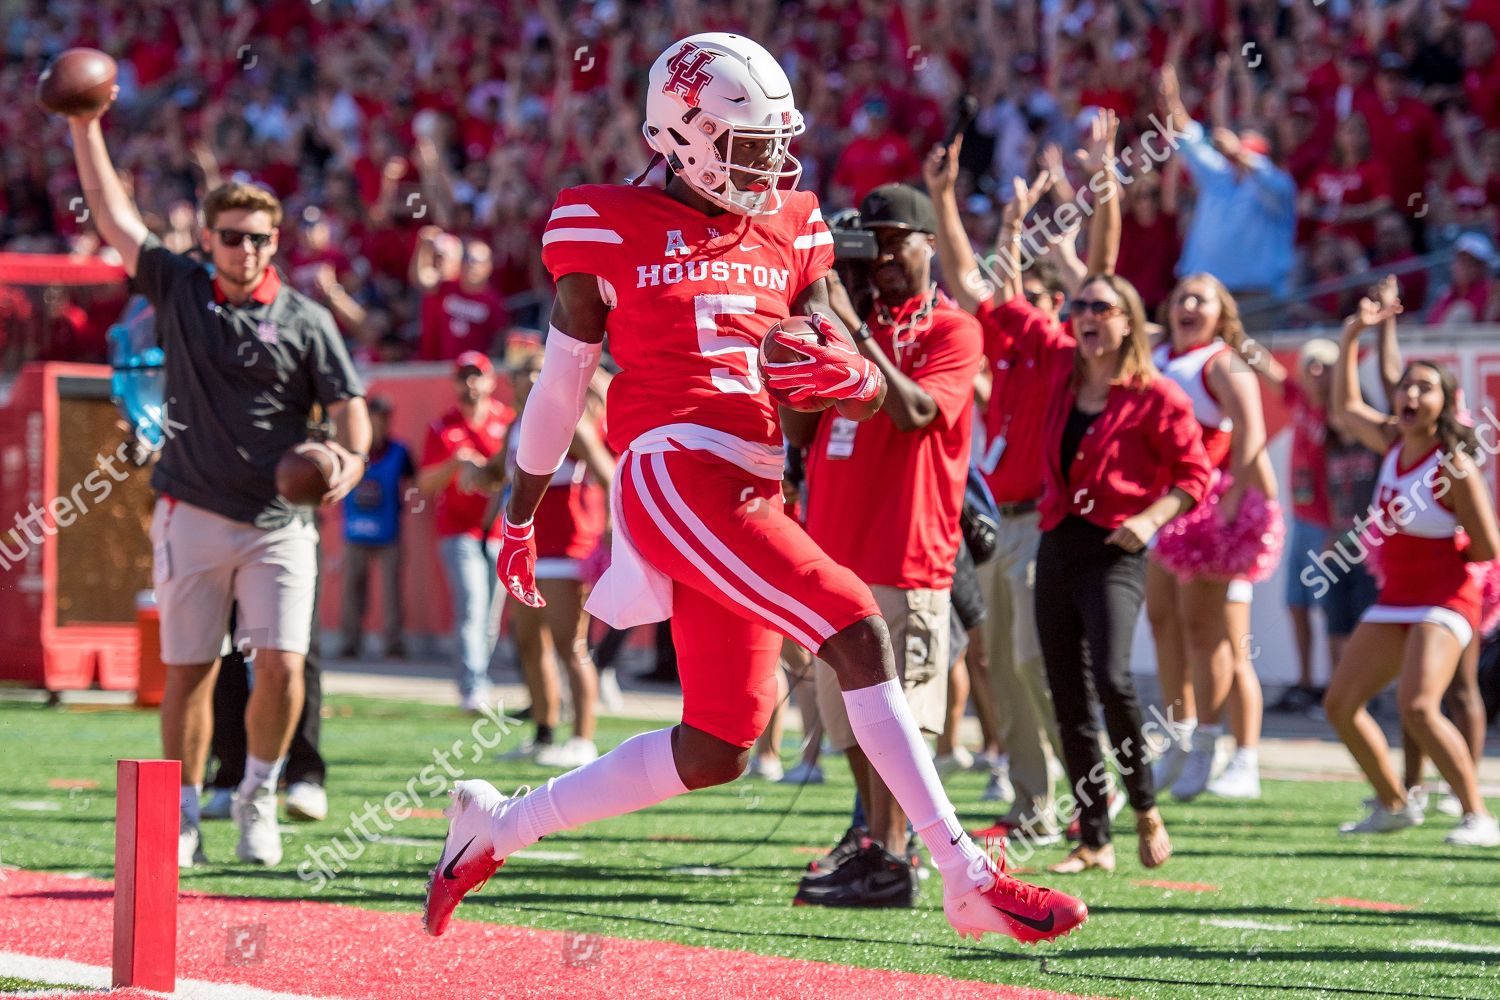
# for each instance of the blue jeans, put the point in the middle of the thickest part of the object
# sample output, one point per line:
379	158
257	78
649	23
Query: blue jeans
472	583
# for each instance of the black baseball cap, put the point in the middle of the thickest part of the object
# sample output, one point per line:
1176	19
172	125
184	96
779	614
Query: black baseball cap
899	206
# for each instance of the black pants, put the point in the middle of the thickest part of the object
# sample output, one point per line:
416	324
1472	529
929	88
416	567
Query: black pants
232	694
1088	597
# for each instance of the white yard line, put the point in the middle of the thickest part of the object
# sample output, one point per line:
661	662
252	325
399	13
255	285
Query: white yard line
62	971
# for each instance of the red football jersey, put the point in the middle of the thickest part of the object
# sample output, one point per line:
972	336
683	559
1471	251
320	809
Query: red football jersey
691	296
458	512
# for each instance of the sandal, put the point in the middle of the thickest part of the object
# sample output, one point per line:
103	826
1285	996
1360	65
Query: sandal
1155	845
1082	858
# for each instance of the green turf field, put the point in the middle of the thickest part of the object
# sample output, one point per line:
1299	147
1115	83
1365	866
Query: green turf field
719	867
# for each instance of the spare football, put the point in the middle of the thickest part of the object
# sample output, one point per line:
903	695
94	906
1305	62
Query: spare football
306	473
774	353
78	82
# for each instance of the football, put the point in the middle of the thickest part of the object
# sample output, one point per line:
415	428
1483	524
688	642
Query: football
774	353
306	473
78	82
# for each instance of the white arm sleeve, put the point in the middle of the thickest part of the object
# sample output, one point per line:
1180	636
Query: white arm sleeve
556	403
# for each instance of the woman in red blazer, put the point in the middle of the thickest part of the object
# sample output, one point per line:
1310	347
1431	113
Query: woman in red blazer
1124	455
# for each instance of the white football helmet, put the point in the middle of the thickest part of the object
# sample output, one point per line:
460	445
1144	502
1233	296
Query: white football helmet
710	91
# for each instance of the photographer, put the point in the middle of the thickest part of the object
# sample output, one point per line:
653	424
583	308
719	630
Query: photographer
883	498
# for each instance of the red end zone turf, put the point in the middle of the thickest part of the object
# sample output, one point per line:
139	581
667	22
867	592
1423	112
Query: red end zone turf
326	950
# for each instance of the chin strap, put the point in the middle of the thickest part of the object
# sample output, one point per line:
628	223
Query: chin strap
655	159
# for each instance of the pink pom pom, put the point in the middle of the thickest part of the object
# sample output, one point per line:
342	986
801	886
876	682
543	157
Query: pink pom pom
1200	545
1487	576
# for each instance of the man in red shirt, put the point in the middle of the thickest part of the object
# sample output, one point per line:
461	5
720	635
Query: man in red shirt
883	499
1405	133
462	315
454	471
880	155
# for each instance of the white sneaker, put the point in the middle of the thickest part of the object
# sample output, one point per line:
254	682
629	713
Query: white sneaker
1240	779
951	763
306	801
611	698
218	804
568	754
1383	820
260	836
803	774
986	761
525	750
1475	831
189	844
1198	769
765	767
1449	805
474	701
1167	768
999	788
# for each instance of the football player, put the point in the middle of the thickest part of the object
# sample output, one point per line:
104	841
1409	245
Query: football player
687	279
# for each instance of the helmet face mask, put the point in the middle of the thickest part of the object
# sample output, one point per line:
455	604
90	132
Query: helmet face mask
719	109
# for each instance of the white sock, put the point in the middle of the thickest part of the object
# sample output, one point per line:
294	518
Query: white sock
1248	755
638	773
188	799
1184	732
887	733
260	774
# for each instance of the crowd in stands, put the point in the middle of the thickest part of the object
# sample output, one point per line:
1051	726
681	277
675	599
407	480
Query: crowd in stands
419	144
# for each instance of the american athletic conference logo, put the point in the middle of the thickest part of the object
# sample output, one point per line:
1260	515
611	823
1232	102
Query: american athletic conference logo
688	76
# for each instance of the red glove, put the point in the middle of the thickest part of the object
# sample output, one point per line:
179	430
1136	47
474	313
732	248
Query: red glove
517	564
833	369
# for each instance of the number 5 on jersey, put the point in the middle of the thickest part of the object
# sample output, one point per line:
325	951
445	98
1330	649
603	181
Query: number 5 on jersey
714	343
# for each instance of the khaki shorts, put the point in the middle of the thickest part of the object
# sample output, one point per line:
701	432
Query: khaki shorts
204	562
919	626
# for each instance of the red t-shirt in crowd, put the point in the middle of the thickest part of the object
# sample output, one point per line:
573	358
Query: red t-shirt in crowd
885	502
455	511
1407	137
1351	186
1148	257
1309	464
1461	305
1028	354
455	320
873	160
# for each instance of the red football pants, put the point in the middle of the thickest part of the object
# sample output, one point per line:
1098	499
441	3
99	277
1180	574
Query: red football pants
744	574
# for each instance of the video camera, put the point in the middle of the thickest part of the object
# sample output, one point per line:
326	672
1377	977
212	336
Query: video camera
851	243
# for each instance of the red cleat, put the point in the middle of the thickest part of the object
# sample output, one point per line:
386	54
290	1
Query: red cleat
468	859
1029	913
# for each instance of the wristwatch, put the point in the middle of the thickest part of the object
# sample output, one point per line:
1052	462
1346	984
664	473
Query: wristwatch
862	334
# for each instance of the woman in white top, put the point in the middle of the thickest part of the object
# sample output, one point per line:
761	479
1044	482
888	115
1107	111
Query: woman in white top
1199	579
1432	516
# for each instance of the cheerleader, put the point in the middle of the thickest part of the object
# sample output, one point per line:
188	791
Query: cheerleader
570	525
1199	578
1432	518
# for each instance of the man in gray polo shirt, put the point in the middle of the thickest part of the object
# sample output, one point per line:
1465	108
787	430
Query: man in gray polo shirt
246	359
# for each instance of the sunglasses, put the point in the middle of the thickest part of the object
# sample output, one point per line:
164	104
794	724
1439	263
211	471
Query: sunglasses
1095	307
1036	296
236	238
